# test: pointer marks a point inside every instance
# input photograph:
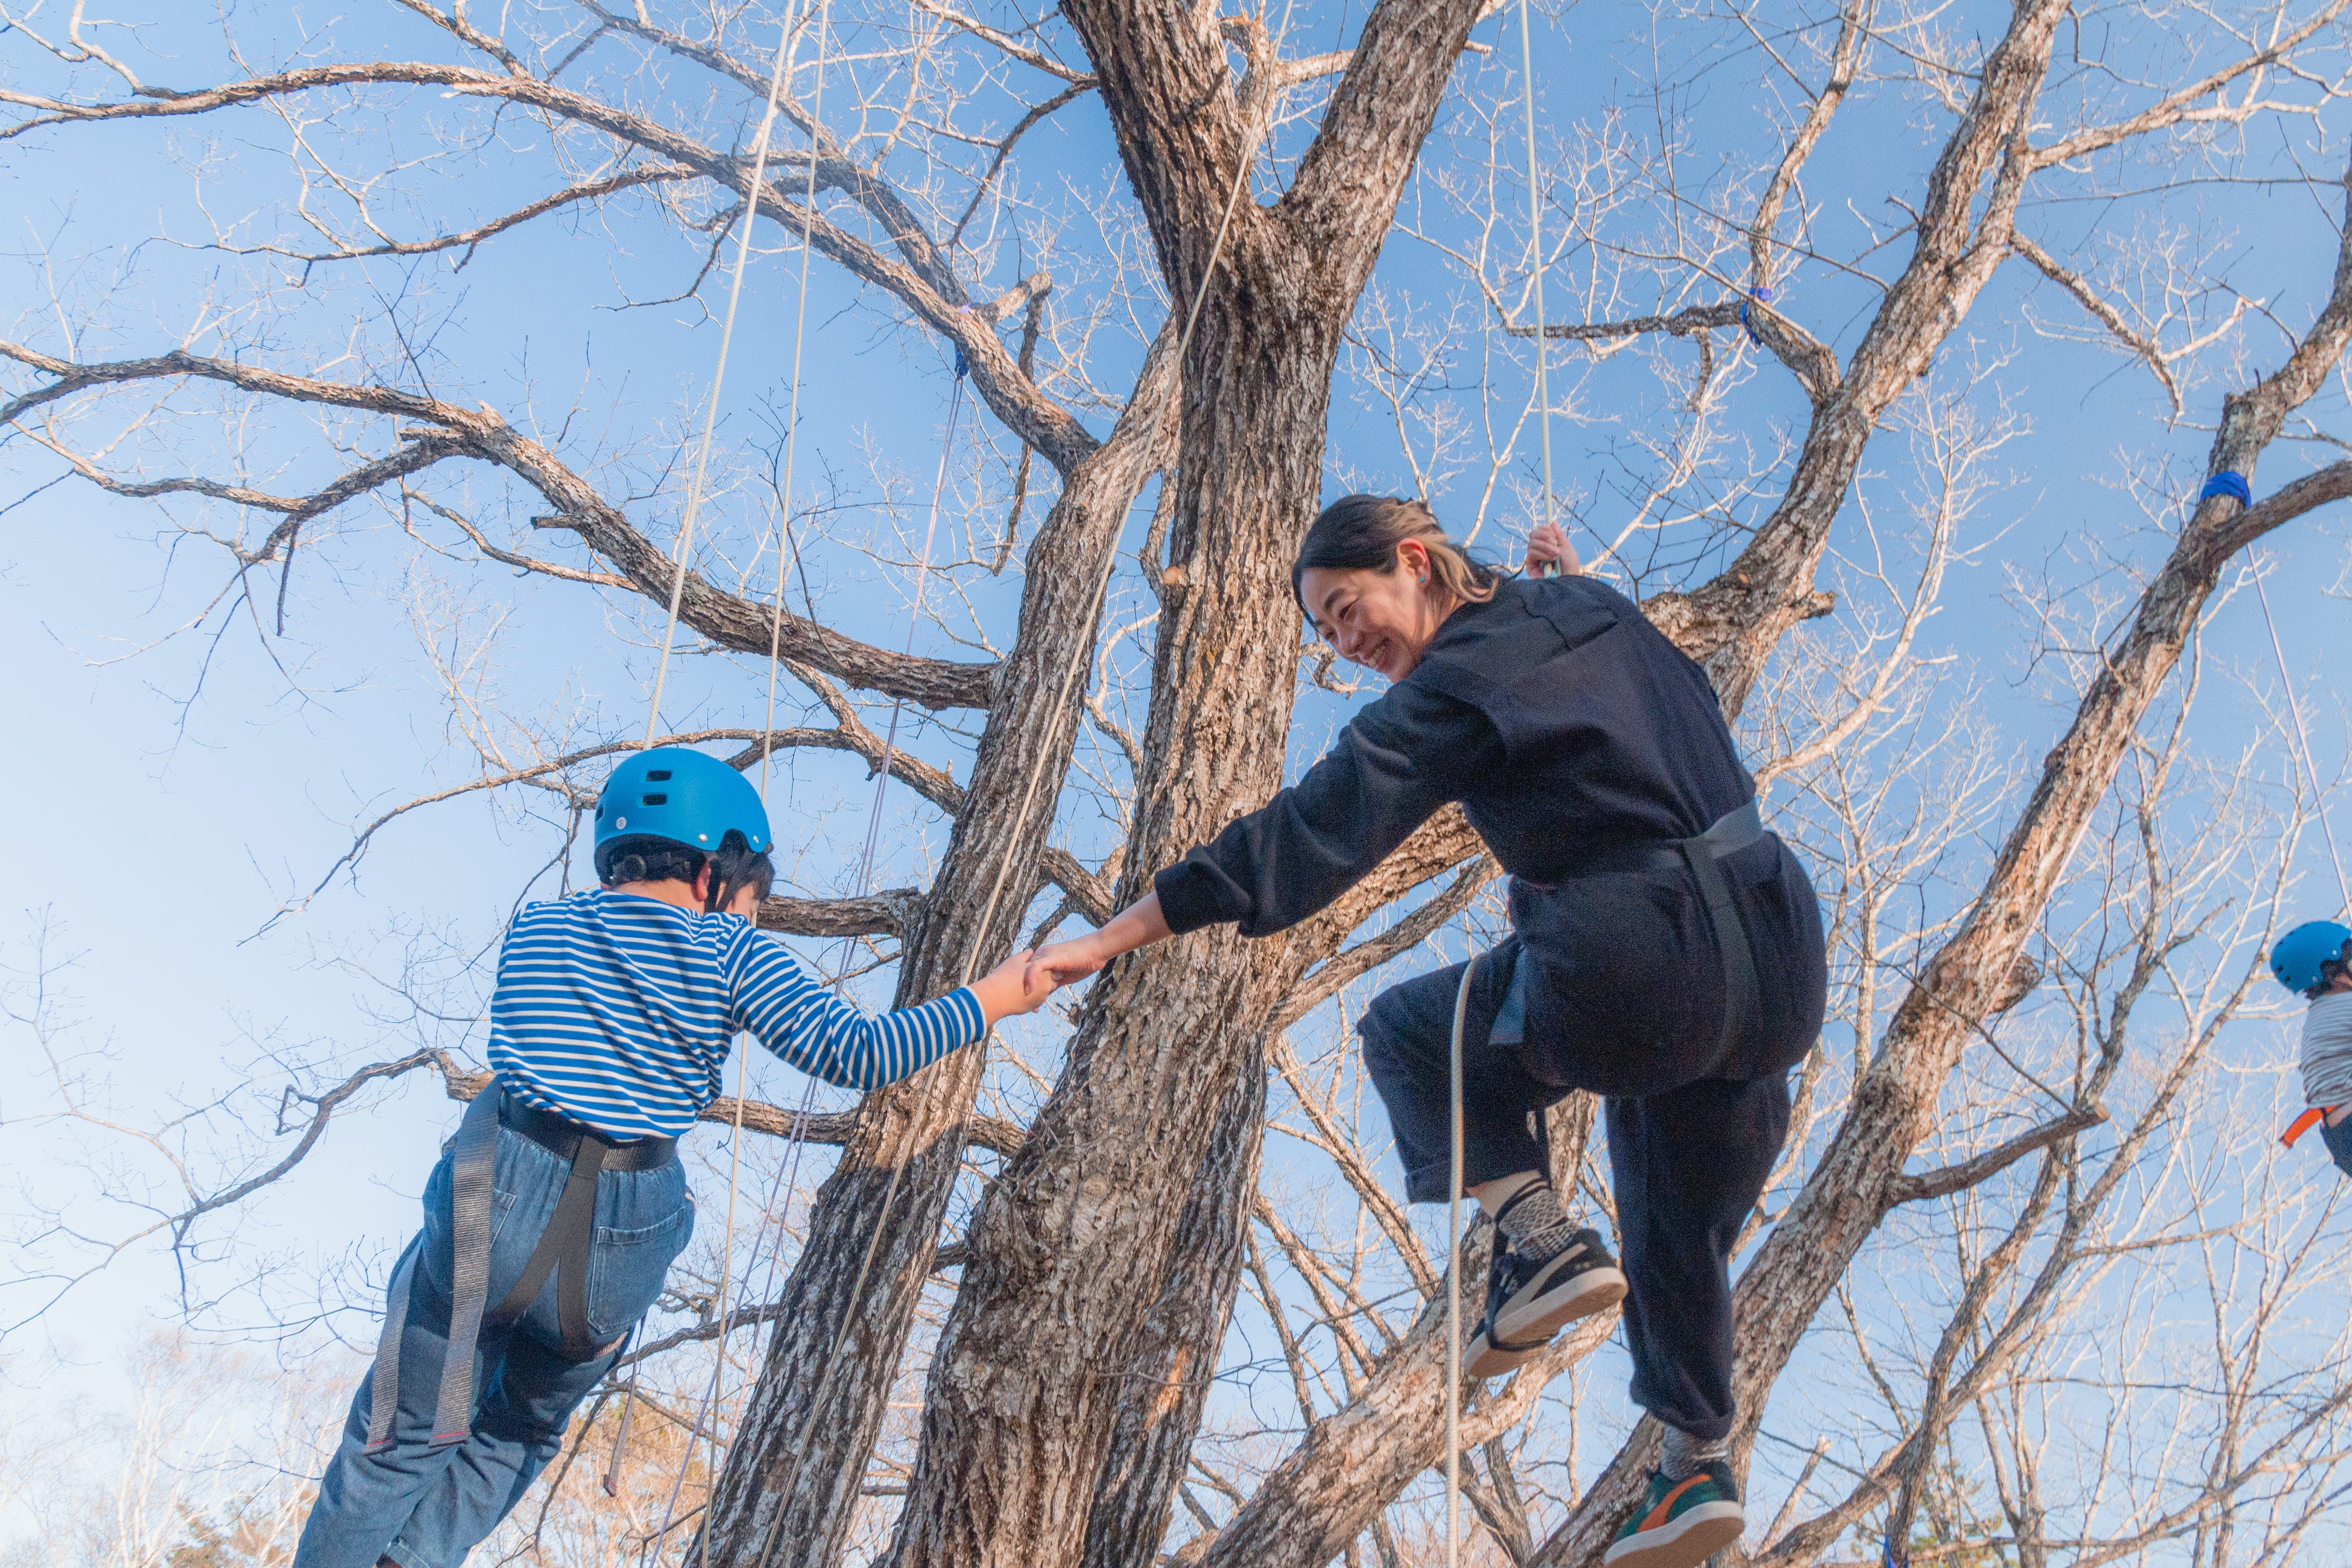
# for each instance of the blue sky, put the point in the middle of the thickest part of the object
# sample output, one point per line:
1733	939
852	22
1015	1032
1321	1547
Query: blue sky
170	799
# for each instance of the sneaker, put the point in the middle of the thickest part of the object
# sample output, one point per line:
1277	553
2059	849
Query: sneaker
1682	1523
1528	1302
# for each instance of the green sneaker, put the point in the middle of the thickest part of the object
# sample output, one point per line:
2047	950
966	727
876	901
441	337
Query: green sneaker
1682	1523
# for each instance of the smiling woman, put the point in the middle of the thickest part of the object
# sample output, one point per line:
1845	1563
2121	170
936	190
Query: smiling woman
1378	576
1668	953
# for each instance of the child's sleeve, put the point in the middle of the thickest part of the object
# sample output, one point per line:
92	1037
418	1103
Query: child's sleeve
771	996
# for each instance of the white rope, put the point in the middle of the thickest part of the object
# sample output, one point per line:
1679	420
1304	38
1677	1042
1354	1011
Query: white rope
2342	888
787	48
718	378
1080	658
1454	1279
1535	243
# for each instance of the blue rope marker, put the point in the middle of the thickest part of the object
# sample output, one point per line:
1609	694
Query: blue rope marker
2228	482
963	365
1762	295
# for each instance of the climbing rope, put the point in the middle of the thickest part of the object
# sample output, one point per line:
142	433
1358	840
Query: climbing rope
787	50
2302	737
1454	1279
718	375
1535	242
1080	656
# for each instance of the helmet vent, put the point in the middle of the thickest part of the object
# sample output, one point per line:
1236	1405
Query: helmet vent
658	776
656	800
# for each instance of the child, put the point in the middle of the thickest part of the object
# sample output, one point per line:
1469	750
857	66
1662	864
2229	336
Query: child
2313	960
553	1214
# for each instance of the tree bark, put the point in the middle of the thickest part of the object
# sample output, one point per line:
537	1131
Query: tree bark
1173	1356
791	1486
1860	1176
1019	1418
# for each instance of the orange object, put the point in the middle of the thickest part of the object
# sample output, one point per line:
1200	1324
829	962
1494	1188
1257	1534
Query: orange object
2305	1123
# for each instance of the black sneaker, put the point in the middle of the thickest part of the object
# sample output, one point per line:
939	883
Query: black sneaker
1528	1302
1682	1523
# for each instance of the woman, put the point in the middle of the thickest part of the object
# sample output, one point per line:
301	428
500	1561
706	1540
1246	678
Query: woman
1666	951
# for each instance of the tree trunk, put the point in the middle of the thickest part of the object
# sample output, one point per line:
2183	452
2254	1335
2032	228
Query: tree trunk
1173	1356
1019	1415
1854	1184
790	1485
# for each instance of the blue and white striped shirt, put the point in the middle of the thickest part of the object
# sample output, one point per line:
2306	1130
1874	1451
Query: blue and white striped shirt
618	1010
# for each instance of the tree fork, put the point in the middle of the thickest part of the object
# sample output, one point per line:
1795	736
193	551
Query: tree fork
1859	1177
1022	1403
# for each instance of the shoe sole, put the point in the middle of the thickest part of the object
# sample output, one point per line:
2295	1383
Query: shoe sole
1686	1543
1595	1290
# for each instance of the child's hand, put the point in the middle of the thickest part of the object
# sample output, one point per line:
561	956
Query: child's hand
1059	962
1006	991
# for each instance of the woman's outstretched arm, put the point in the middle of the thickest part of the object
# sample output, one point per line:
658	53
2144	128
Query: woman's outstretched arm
1138	925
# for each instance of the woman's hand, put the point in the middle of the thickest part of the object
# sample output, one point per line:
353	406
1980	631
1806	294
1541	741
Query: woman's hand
1549	550
1138	925
1006	991
1059	962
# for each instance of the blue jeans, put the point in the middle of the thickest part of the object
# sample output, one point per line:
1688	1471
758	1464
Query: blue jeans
2339	1139
426	1506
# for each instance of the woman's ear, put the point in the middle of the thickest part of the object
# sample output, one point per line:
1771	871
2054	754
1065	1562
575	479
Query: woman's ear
1412	558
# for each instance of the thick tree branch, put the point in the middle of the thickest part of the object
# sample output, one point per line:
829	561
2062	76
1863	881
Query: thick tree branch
727	619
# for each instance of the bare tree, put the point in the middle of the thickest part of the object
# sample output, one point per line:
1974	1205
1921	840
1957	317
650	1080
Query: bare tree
1048	1253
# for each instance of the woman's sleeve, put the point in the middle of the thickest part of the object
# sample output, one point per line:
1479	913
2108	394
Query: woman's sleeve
811	1028
1392	767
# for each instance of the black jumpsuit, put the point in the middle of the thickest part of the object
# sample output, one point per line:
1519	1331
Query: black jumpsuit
1578	741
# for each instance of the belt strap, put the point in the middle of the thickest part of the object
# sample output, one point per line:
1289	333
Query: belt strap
564	1250
473	1163
1742	993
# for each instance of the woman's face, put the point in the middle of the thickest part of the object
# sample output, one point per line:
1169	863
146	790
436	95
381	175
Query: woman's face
1382	620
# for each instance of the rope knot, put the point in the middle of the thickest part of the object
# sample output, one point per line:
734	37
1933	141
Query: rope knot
1761	295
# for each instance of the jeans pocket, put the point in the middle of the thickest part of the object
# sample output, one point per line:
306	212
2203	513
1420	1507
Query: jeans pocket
626	1268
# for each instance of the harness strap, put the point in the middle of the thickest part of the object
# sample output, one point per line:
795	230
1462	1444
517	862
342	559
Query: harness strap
383	1383
472	1170
1742	993
2305	1123
562	1251
473	1158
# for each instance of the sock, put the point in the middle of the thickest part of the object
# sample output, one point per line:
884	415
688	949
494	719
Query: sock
1535	1222
1685	1453
1496	1196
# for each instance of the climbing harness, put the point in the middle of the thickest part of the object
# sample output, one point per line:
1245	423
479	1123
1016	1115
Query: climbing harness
562	1252
1704	853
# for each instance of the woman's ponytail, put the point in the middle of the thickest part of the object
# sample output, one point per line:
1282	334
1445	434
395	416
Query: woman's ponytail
1361	533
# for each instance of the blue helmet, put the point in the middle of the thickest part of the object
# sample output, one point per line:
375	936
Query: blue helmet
2300	952
682	796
